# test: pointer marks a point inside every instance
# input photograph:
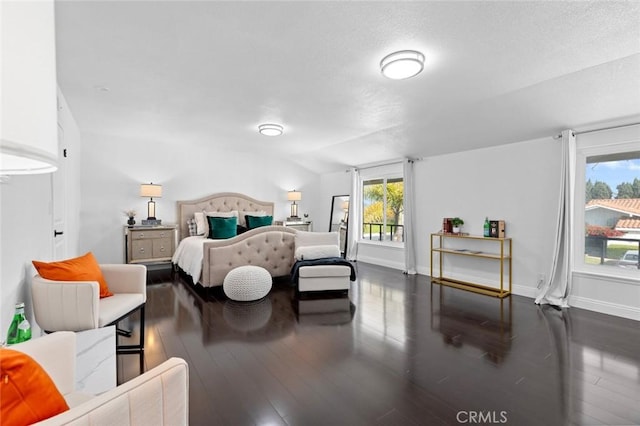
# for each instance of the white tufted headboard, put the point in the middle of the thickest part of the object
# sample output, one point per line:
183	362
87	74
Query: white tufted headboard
221	202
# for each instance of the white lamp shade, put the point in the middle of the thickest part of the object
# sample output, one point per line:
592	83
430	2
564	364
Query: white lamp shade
150	190
294	196
28	123
402	64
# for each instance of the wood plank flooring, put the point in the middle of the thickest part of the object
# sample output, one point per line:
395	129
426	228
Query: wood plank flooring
396	351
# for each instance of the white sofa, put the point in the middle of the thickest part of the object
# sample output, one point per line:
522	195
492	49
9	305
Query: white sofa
160	396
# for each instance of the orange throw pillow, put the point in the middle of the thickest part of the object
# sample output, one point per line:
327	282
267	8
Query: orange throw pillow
83	268
28	393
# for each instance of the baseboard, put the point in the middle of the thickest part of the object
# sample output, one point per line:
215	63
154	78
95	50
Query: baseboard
381	262
608	308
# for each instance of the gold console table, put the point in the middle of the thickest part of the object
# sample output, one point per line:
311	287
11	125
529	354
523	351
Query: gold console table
498	249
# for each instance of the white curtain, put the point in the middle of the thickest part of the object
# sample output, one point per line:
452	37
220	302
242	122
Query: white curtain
409	214
557	288
355	205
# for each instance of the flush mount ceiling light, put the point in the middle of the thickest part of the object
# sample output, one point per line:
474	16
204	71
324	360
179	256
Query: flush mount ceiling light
402	64
270	129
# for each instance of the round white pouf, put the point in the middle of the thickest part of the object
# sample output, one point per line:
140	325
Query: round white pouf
246	283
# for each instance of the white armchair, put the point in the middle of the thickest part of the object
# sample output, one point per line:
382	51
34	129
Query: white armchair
76	305
158	397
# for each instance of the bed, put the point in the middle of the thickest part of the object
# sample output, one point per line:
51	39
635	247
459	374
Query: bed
207	261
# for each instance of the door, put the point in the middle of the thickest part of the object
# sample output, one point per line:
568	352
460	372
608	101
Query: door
59	200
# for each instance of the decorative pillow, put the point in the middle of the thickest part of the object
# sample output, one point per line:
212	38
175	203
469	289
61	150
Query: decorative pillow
258	221
202	227
232	213
222	227
28	393
306	238
317	252
83	268
193	227
241	229
242	218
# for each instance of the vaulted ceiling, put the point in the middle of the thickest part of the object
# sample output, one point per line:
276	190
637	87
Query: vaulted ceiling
206	73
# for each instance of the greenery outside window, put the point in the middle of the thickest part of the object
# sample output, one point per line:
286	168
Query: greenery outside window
612	211
382	209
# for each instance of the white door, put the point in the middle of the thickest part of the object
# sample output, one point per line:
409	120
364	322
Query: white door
59	200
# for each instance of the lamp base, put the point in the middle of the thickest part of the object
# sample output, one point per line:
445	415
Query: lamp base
152	221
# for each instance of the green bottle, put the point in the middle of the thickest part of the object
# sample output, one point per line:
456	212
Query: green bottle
486	227
20	329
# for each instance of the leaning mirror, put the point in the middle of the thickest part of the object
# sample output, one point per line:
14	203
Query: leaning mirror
339	221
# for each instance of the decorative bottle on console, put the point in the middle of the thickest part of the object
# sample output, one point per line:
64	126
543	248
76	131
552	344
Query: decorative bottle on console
486	227
20	329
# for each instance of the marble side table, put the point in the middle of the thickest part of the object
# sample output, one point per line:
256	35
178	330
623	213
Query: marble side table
96	360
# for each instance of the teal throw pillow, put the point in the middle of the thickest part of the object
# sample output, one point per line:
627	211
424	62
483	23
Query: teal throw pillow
222	227
258	221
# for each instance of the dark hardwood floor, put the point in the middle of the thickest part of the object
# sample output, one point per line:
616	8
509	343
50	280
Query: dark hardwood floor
397	351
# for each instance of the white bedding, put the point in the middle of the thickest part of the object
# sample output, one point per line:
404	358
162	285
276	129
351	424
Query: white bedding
188	256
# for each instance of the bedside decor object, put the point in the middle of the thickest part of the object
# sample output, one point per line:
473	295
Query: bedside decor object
294	196
151	190
131	214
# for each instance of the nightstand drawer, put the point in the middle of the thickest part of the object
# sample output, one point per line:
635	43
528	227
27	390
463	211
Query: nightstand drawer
141	249
162	248
151	233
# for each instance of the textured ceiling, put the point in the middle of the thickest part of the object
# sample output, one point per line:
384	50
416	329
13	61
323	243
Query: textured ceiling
207	73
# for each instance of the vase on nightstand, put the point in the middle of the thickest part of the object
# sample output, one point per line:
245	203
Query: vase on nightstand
131	221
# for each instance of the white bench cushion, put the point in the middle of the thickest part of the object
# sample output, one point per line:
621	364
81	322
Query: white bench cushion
325	271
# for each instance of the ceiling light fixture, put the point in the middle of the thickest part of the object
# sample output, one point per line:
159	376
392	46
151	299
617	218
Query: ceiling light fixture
270	129
402	64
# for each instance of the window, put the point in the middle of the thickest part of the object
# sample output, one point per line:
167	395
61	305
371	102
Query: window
382	209
612	210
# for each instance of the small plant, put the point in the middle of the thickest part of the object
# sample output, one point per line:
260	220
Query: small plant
456	221
130	213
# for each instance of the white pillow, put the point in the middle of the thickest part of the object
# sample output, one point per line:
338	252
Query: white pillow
317	252
306	238
202	227
242	220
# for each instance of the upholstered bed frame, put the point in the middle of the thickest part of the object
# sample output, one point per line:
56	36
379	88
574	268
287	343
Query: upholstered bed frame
271	247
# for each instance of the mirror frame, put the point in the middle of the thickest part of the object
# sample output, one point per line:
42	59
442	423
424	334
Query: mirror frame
343	249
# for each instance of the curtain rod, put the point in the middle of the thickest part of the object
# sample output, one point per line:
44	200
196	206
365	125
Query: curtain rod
599	130
384	163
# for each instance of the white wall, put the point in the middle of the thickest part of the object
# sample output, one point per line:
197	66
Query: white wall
113	169
26	231
25	235
515	182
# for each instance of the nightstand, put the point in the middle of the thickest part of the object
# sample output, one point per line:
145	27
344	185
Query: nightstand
149	244
301	225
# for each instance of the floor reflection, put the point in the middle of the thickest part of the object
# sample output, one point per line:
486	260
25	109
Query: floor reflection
482	322
219	318
324	309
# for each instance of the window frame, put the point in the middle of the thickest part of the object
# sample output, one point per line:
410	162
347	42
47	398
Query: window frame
584	151
385	177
